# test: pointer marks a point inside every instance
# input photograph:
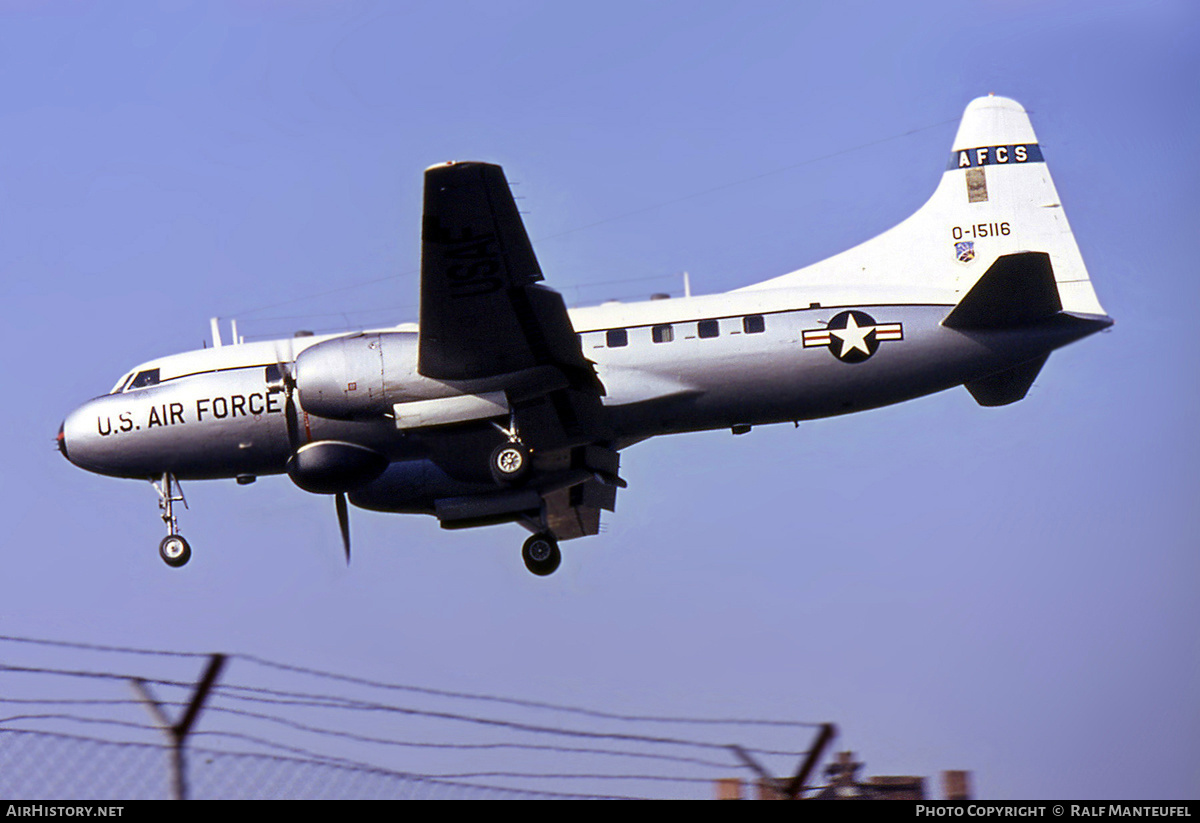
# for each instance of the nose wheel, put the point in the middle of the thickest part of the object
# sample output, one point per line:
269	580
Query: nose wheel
541	554
173	549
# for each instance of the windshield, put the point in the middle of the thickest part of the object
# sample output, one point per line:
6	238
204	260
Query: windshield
121	383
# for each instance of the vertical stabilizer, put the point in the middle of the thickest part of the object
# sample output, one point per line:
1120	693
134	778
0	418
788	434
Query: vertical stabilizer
1011	202
995	198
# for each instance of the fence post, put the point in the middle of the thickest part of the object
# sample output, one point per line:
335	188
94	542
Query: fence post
177	732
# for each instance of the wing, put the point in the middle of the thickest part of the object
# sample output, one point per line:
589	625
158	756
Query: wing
482	310
485	315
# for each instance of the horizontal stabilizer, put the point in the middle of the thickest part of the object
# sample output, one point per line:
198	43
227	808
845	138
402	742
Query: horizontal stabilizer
1017	289
1007	386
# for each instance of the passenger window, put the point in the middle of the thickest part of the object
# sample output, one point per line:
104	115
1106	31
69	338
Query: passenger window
708	328
615	338
662	334
753	324
149	377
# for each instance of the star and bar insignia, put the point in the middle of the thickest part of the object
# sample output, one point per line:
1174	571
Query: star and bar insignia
853	336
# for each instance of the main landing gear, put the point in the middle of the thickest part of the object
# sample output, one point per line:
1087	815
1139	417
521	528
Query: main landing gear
541	554
173	549
509	462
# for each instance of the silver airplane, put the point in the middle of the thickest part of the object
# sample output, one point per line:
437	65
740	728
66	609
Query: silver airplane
503	406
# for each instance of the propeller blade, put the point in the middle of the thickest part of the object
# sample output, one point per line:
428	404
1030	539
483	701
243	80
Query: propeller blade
293	422
343	516
287	383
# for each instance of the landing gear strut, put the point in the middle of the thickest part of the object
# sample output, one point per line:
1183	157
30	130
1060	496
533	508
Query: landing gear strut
541	554
173	549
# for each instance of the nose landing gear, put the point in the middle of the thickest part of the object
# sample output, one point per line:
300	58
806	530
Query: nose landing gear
173	549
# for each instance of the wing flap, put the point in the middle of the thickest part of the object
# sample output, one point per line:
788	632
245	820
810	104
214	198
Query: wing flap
575	511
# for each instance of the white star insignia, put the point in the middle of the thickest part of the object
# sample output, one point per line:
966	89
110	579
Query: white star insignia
853	336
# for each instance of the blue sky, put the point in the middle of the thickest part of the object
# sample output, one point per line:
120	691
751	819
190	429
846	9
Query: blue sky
1010	591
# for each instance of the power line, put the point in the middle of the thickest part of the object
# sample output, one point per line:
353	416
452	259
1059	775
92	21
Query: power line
632	213
528	703
97	647
337	701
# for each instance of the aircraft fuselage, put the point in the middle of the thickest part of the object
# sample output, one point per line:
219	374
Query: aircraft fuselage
226	418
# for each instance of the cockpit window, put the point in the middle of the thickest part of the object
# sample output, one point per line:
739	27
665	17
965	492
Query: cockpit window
149	377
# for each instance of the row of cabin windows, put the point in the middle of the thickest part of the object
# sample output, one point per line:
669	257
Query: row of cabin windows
751	324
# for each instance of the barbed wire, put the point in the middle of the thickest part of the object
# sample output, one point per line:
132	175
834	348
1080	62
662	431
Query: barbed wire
346	728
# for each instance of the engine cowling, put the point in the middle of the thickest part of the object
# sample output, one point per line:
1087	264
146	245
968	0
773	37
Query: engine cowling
414	487
357	377
333	467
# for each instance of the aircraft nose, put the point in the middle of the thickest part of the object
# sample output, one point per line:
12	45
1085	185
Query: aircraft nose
61	439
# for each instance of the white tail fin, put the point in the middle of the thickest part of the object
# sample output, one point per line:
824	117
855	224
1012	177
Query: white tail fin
995	198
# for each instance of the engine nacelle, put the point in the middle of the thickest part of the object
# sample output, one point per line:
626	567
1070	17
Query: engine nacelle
368	376
356	377
331	466
414	487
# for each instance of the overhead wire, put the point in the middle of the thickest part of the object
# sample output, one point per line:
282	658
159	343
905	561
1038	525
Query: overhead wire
621	216
512	725
524	703
378	684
